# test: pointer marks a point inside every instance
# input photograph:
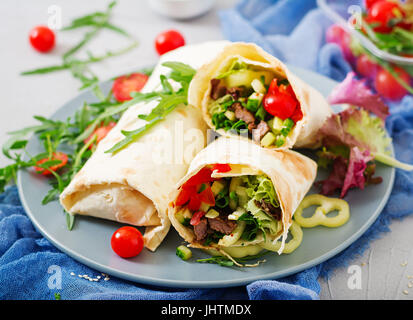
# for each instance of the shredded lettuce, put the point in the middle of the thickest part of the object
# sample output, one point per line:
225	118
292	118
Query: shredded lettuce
235	66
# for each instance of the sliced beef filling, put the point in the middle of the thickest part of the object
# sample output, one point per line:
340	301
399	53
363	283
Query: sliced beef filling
260	131
209	226
218	89
269	208
201	229
222	225
243	114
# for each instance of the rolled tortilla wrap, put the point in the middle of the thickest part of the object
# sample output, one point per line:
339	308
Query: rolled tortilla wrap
315	109
290	173
132	185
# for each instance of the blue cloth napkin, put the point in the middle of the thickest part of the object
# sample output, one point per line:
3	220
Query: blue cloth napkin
293	30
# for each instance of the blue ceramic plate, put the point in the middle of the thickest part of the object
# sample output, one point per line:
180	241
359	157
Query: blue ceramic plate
89	241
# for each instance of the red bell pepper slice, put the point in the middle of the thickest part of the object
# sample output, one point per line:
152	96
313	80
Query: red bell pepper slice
196	218
184	195
221	167
204	175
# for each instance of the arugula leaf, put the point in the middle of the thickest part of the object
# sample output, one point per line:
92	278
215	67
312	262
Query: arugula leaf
168	98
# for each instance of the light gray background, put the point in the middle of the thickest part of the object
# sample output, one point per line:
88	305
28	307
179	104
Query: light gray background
385	267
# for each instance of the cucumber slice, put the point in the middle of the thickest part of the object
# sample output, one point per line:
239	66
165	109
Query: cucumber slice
183	252
218	186
212	213
236	214
258	87
242	195
230	115
254	101
268	139
183	216
235	235
235	182
280	141
244	77
276	125
204	207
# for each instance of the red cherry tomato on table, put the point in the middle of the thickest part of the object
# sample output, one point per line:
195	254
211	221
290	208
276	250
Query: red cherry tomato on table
387	86
127	242
168	40
100	132
55	156
366	67
386	14
42	38
124	85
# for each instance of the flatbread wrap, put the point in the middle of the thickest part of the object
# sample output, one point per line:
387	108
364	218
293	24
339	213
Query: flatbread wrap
132	185
245	89
239	198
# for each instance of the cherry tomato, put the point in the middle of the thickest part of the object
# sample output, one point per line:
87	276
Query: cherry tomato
127	242
55	156
297	115
336	34
100	133
184	195
124	85
366	67
386	14
387	86
168	40
221	167
196	218
42	38
280	105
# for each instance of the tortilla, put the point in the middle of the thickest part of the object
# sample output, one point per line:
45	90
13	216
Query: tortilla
314	107
132	185
291	173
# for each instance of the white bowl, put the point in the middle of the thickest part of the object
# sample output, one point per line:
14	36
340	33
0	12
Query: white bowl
181	9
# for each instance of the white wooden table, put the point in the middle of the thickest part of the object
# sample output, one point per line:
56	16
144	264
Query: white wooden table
384	268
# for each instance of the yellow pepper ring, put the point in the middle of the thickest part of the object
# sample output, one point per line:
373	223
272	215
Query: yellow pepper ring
291	245
325	205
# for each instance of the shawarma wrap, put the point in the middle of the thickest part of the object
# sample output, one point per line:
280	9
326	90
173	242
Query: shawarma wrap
245	89
240	198
132	185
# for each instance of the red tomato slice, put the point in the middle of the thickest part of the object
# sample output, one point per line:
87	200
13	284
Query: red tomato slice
42	38
127	242
124	85
280	105
55	156
168	40
207	196
203	175
184	195
100	132
196	218
273	88
194	203
297	115
221	167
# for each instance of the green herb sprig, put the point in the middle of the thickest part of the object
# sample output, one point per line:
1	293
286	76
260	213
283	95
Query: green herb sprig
168	100
80	67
